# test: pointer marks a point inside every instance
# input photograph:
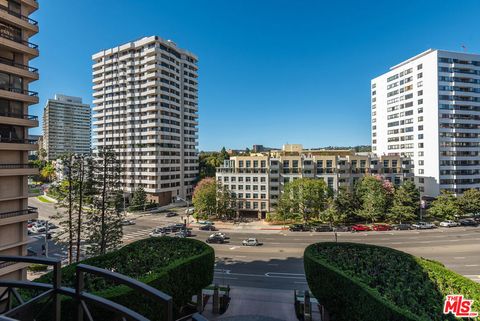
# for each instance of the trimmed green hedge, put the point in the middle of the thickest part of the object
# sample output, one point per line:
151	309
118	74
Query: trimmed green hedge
178	267
366	282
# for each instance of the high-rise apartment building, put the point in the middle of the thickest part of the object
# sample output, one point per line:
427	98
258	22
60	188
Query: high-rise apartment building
66	126
258	179
145	96
16	51
428	108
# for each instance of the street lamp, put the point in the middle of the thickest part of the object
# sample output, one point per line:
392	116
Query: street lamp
187	212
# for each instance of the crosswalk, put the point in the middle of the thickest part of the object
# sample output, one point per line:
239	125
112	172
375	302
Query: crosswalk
129	237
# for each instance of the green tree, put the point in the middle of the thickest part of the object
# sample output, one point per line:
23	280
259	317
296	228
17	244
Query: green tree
373	198
139	199
48	172
347	202
305	197
204	198
226	202
332	214
406	202
469	202
445	207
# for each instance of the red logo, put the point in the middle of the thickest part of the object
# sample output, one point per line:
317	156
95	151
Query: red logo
459	306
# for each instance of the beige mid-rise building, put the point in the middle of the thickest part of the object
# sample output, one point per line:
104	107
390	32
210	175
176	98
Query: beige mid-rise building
16	51
145	96
258	179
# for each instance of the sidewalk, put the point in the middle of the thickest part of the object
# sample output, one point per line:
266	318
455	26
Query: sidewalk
257	304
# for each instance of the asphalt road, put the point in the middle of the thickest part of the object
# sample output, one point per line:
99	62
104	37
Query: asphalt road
278	263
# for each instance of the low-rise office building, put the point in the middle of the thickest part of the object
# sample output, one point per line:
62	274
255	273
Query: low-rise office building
258	179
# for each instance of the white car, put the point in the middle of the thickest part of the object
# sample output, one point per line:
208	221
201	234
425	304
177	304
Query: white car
219	234
251	242
449	223
39	229
423	226
157	233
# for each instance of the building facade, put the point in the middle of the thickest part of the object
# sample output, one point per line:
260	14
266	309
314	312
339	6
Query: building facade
258	180
428	108
66	127
16	51
146	109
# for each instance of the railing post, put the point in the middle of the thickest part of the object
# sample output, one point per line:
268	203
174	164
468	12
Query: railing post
200	301
57	284
215	300
169	310
307	307
79	286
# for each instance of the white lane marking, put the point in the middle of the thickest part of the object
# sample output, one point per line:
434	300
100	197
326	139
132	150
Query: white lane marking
240	256
459	257
234	247
226	278
470	265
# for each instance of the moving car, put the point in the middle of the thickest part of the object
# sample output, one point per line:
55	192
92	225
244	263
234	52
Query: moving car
360	228
468	222
402	227
423	226
220	234
216	239
180	234
158	232
381	227
207	227
171	214
251	242
128	222
449	223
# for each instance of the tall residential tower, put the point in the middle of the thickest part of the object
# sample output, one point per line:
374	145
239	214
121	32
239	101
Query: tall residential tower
145	96
428	107
16	51
66	126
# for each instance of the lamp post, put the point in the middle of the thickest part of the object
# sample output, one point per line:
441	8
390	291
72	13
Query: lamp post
187	212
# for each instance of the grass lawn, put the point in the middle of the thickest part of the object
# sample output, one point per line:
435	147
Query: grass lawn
43	199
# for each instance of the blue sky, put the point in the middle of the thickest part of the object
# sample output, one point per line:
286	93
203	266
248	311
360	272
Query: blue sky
271	71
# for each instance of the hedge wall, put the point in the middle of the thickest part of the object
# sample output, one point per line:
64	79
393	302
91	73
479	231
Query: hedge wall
178	267
367	282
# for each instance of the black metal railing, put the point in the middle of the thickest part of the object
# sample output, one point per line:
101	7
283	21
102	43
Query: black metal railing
29	210
10	140
20	91
23	42
18	65
15	305
17	166
15	115
18	15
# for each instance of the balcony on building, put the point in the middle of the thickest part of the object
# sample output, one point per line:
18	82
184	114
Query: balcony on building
18	169
12	15
11	39
15	138
17	119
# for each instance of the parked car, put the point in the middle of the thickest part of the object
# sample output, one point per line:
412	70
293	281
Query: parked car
251	242
39	229
158	232
402	227
360	228
468	222
298	228
216	239
449	223
171	214
342	228
381	227
180	234
207	227
206	223
321	228
423	226
128	222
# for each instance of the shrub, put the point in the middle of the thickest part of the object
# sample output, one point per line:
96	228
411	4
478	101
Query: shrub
367	282
37	268
178	267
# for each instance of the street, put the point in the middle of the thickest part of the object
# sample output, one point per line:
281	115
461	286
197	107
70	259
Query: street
278	263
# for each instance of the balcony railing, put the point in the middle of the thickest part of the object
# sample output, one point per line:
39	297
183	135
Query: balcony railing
10	140
29	210
15	115
18	15
21	91
23	42
18	65
16	166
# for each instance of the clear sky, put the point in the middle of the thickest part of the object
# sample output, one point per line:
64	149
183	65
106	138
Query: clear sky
271	71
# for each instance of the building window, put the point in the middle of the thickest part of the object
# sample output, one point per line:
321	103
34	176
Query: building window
420	93
420	75
255	163
419	67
